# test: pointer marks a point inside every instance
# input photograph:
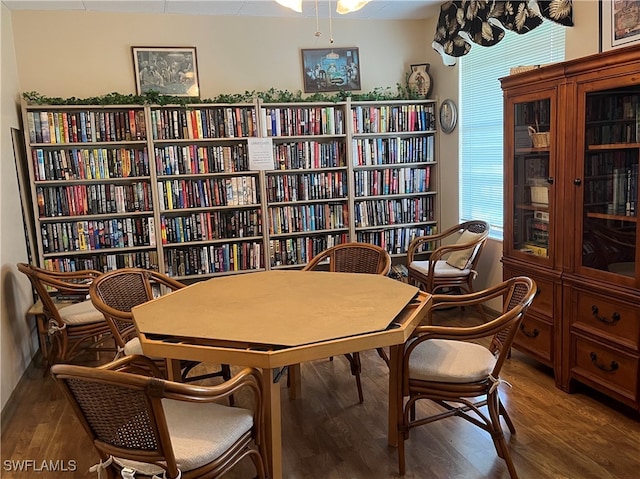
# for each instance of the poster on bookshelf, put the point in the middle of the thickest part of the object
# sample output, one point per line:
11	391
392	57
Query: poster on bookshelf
166	70
619	24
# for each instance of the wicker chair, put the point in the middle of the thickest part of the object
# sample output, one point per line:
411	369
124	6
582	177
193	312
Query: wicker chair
452	367
450	265
115	293
151	426
354	258
69	327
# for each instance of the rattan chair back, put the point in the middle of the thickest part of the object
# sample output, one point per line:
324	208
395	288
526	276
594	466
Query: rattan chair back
62	341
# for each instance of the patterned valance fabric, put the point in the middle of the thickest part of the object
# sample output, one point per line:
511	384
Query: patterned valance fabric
464	22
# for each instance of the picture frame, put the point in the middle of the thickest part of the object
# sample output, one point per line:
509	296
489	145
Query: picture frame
166	70
330	69
619	24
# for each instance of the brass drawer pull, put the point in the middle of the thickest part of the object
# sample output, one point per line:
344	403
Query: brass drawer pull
529	334
612	367
615	317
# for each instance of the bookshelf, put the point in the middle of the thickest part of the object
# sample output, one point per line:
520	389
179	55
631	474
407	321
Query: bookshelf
92	188
208	202
394	172
307	195
170	188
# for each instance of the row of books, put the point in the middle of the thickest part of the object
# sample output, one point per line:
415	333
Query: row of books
622	106
390	212
325	185
598	163
301	250
393	118
208	226
208	192
194	159
625	131
302	121
392	181
314	217
396	240
536	113
78	200
200	123
93	234
388	151
214	259
104	262
86	126
89	163
309	154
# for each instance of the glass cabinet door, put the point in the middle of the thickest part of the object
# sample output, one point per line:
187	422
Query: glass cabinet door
610	182
532	179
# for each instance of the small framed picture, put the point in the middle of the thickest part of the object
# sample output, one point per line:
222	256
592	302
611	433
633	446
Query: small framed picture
331	69
619	24
166	70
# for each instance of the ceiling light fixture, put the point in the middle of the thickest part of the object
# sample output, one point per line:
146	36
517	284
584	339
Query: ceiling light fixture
348	6
342	6
295	5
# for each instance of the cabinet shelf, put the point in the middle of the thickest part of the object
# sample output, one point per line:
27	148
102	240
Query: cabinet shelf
613	146
606	216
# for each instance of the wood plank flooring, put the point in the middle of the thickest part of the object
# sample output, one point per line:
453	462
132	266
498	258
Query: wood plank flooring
328	435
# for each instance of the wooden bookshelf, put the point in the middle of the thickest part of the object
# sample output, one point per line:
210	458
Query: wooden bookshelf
170	187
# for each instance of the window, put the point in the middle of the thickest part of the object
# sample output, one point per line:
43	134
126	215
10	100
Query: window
481	145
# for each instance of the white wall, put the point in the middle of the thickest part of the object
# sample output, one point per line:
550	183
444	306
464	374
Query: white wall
16	343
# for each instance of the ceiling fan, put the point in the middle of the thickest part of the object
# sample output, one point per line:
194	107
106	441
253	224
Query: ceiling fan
342	6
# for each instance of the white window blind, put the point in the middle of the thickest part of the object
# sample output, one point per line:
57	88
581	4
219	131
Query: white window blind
481	126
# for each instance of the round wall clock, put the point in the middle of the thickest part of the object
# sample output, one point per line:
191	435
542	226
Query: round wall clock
419	80
448	116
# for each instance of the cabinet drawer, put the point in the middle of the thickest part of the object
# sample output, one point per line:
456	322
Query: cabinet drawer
618	320
536	337
543	302
605	368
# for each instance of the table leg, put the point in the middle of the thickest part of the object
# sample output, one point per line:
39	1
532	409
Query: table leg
295	381
273	422
395	396
173	370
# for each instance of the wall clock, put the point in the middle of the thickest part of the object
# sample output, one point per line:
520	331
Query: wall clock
448	116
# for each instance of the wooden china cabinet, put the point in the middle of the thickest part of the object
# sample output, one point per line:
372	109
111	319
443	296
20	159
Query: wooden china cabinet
572	148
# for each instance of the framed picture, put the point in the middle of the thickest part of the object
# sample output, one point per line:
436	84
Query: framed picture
619	23
331	69
166	70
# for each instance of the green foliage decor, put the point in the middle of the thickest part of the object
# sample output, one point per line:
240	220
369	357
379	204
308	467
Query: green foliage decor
402	92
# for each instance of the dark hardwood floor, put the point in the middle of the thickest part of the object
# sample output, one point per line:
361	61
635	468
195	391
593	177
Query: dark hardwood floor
328	435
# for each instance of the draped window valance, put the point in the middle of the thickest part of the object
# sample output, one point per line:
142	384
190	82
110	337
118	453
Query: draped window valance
464	22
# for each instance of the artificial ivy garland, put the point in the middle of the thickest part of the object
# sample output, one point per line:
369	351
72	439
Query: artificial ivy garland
270	96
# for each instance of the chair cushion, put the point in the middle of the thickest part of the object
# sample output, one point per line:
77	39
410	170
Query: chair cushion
447	361
460	259
442	269
80	313
200	433
133	346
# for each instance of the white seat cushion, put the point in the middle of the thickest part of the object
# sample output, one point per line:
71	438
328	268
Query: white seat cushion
133	346
80	313
442	269
200	433
447	361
